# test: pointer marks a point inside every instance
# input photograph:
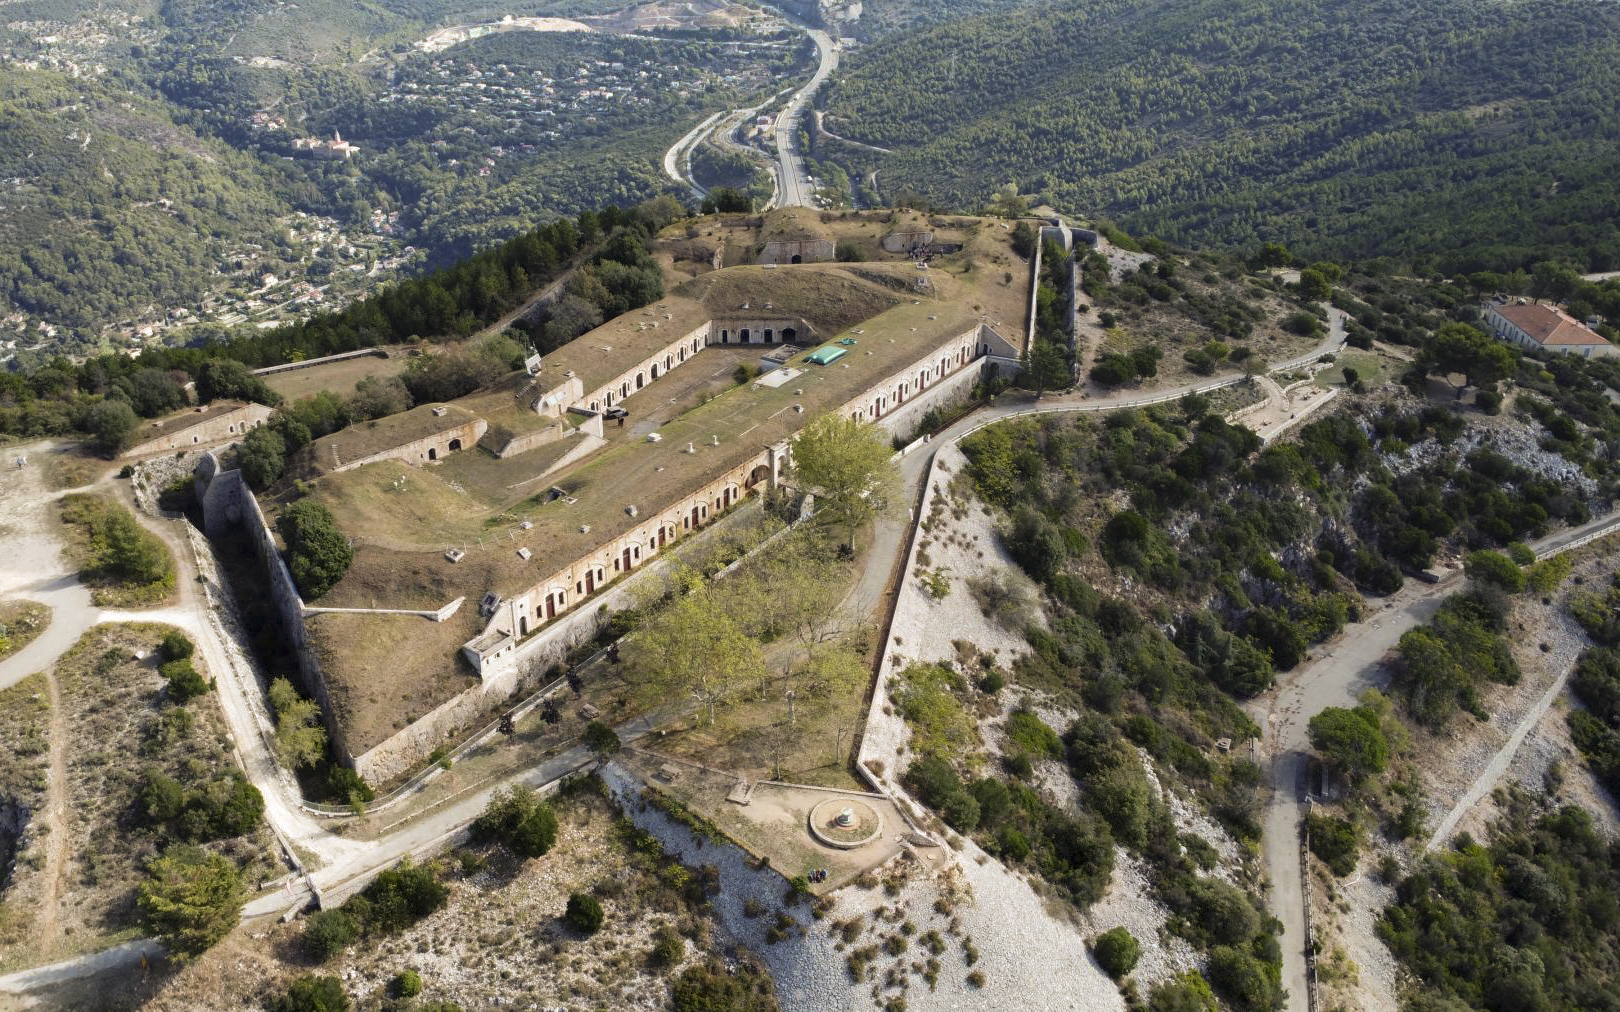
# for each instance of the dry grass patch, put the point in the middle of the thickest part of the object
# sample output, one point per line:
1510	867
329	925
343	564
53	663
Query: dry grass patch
338	377
119	724
21	622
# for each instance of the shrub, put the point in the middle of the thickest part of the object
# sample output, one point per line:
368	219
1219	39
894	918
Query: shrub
960	812
318	554
408	984
1333	840
184	682
600	738
518	819
1032	735
348	785
992	683
668	948
310	993
1014	846
1350	740
191	899
1117	952
709	987
397	898
584	913
176	646
327	933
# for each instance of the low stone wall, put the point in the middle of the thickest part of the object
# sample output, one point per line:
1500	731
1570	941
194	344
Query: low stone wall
310	363
529	441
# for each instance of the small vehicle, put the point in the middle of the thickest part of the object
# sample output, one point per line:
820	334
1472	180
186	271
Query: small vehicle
615	413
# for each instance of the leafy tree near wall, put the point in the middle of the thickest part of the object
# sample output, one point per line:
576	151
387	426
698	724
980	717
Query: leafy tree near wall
692	646
112	423
300	738
318	554
848	465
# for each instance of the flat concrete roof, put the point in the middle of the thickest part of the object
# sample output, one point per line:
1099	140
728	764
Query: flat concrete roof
601	354
358	442
183	420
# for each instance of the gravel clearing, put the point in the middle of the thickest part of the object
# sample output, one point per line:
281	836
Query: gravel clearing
1030	959
1128	905
1351	918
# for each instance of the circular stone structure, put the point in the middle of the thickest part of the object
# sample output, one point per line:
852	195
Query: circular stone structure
828	817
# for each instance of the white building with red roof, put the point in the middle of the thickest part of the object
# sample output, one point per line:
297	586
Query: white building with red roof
1545	328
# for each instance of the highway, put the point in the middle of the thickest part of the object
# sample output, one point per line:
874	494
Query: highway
792	188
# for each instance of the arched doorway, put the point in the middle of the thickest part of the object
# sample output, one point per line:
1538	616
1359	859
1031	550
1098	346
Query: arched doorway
788	334
797	259
769	336
455	444
744	337
758	474
433	453
655	370
641	380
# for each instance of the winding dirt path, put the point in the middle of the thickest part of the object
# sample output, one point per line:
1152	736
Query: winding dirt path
56	843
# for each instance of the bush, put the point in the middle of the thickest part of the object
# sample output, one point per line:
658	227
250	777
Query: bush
408	984
960	812
1495	569
1031	734
992	683
1014	845
601	739
318	554
668	948
327	933
1333	840
1350	740
176	646
191	899
709	987
518	819
396	899
584	913
310	993
348	785
184	682
1240	979
1117	952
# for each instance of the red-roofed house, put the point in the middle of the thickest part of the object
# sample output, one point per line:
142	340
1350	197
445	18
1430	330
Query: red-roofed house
1546	328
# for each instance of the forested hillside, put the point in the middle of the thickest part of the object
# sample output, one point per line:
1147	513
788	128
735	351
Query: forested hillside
109	203
1466	135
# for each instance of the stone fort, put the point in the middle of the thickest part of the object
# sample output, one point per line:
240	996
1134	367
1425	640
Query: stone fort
612	507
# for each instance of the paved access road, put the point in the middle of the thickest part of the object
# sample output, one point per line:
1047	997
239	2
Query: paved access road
792	188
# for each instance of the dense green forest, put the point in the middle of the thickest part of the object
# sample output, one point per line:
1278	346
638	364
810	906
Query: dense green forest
1528	922
164	180
1465	135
